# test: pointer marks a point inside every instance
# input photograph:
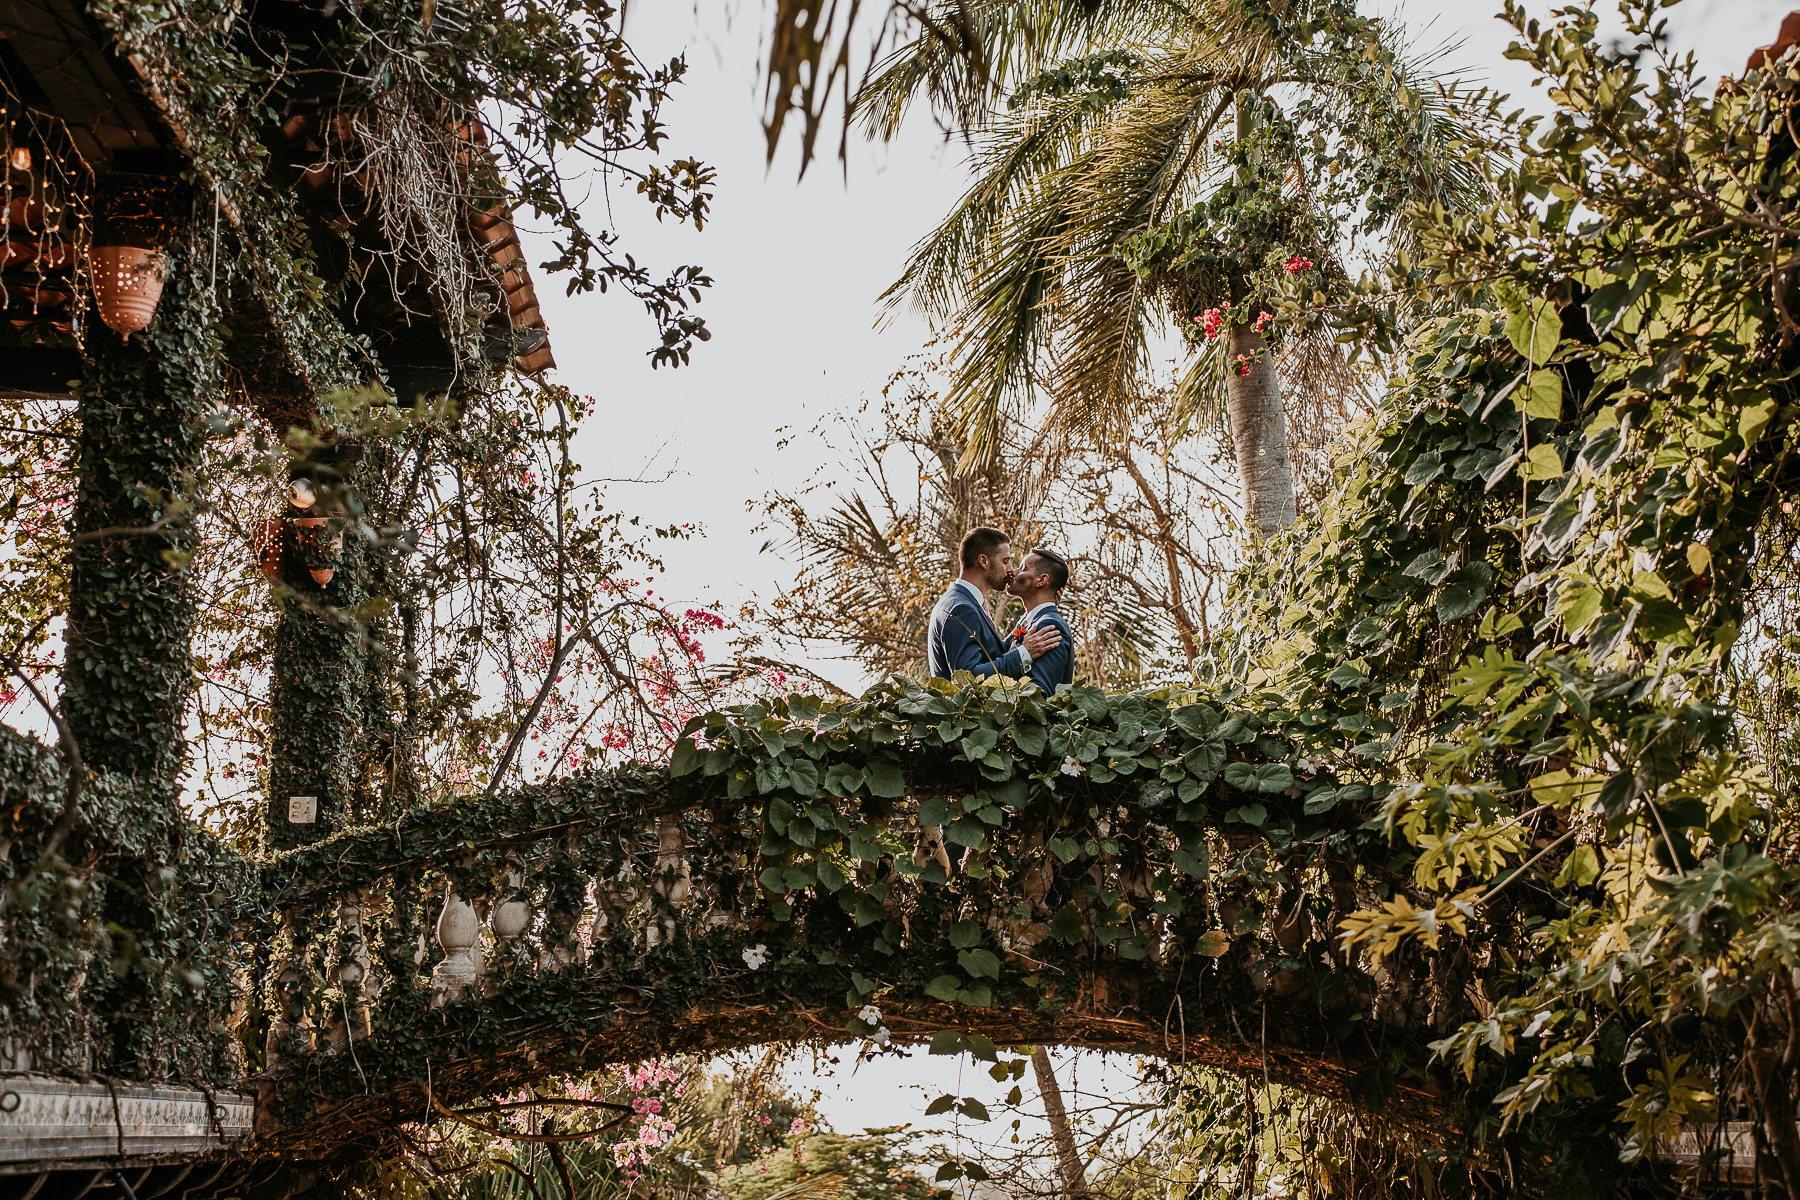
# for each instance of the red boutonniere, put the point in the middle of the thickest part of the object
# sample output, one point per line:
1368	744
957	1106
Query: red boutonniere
1019	632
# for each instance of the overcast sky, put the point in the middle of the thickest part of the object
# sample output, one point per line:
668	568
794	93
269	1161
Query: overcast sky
799	267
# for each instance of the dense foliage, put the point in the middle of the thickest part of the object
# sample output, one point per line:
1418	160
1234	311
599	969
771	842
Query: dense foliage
1479	815
1541	588
358	671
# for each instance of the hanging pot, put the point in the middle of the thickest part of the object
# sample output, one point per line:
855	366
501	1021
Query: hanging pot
128	281
320	575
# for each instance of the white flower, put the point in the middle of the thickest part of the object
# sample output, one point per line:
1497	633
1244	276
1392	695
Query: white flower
881	1036
1305	765
1071	766
756	956
868	1014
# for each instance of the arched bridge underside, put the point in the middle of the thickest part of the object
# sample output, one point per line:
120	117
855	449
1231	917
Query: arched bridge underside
1142	874
689	998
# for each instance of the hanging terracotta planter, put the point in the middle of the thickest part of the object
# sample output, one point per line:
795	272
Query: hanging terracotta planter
312	541
128	282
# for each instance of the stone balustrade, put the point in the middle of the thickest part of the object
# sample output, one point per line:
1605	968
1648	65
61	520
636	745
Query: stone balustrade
481	922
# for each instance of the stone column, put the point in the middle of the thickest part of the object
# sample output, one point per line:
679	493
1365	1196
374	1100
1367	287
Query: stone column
458	933
351	968
127	673
143	400
316	683
291	1033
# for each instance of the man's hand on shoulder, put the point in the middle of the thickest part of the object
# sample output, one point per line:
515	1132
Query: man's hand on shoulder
1044	637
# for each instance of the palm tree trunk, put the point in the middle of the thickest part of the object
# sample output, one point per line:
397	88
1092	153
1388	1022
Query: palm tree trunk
1068	1158
1258	432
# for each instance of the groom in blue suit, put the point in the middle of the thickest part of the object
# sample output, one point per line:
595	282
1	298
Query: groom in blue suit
963	636
1039	582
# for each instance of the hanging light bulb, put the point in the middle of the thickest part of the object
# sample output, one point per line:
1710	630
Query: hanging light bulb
128	282
268	549
20	158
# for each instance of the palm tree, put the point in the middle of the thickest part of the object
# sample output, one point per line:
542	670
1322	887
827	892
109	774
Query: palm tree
1138	161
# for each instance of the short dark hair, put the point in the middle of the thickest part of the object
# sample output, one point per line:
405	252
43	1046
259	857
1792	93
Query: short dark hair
983	539
1055	566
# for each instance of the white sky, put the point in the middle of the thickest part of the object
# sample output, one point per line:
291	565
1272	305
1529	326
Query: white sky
799	268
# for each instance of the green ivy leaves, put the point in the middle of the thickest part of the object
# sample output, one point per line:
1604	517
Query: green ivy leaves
1270	777
1533	324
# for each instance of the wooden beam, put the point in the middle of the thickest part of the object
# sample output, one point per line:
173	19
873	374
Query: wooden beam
67	58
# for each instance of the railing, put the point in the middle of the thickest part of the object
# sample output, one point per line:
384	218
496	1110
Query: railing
1134	872
1100	882
581	870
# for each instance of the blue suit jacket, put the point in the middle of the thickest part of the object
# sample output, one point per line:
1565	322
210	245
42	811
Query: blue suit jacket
963	638
1055	666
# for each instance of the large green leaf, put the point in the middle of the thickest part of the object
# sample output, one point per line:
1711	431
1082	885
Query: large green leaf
964	934
1213	943
1534	328
979	963
945	987
1029	737
1543	397
1195	720
886	779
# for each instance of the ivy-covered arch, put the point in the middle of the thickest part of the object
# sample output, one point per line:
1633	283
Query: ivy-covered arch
1151	873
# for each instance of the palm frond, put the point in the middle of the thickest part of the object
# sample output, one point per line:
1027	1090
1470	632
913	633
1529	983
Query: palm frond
1012	164
1005	326
969	55
1199	402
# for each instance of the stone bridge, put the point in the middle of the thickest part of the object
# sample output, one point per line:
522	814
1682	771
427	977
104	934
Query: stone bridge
1137	873
1129	873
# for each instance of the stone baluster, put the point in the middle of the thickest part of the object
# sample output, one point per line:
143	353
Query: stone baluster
562	941
15	1055
717	887
81	1054
562	946
458	932
235	1061
672	882
291	1033
930	848
351	969
510	918
615	900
